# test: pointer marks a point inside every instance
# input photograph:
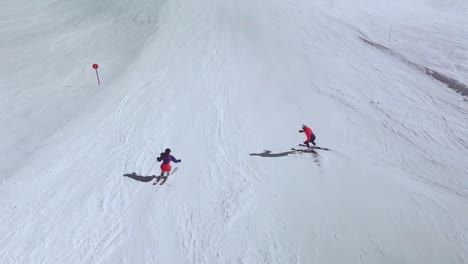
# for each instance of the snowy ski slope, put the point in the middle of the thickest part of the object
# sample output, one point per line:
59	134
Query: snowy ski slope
220	82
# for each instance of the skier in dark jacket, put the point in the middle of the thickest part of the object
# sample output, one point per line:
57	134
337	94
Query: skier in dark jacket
166	158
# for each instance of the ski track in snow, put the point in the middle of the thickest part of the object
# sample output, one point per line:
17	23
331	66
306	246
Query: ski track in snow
216	81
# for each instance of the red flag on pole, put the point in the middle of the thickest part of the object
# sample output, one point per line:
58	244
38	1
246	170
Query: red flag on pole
95	66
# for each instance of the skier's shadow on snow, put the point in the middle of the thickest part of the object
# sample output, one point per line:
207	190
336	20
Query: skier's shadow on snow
268	154
140	178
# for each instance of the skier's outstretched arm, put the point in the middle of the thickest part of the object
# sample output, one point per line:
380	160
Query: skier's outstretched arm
175	160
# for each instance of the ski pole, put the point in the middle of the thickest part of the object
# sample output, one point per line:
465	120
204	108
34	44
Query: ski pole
151	168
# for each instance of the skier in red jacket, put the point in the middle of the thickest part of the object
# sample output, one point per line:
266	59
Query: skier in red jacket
309	134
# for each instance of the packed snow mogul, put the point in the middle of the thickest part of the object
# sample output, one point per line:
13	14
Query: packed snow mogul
309	134
166	158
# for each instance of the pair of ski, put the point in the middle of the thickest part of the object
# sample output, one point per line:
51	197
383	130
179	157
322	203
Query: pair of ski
159	178
309	149
162	179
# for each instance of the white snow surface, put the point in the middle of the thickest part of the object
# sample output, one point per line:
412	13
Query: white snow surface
217	81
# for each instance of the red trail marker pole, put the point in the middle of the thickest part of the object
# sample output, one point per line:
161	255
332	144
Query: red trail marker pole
95	66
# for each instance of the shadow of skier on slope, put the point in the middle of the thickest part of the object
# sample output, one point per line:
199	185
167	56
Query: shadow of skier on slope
268	154
139	178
